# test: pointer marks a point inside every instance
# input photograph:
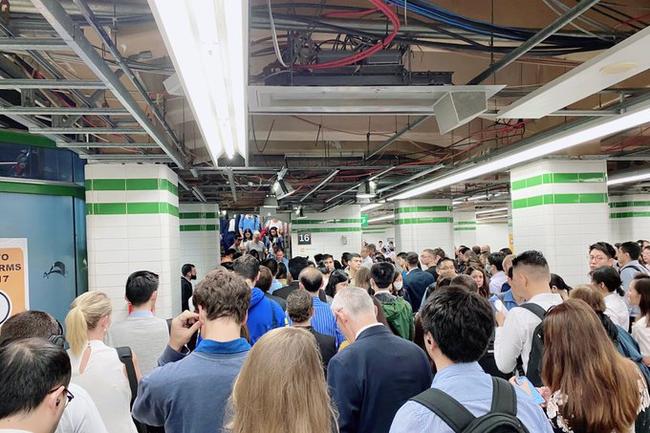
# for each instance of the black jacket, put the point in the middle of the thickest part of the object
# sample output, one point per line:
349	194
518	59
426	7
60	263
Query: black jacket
326	346
373	377
285	291
415	284
186	293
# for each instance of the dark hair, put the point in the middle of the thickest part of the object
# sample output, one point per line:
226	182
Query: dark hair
223	294
337	265
632	248
255	254
401	255
604	248
460	322
247	267
345	258
296	265
505	251
140	286
29	324
187	268
383	274
462	249
477	250
464	280
642	286
248	231
439	252
353	255
443	282
445	259
230	252
278	248
484	290
327	256
318	258
336	277
311	281
282	271
558	282
29	370
530	258
609	277
412	258
299	306
265	279
496	260
272	264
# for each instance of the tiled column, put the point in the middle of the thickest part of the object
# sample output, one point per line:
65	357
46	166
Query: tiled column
629	217
560	207
132	224
333	232
465	227
200	243
421	224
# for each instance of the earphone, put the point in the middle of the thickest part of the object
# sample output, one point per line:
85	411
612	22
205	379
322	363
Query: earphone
58	339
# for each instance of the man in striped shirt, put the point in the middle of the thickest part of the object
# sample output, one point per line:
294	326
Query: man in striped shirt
323	320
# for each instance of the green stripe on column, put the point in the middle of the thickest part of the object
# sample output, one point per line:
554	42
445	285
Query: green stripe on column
415	209
132	208
465	223
41	189
549	178
328	221
131	185
629	204
617	215
540	200
464	229
198	228
329	229
403	221
196	215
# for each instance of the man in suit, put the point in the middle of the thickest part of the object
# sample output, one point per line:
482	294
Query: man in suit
188	273
300	310
416	281
377	373
296	265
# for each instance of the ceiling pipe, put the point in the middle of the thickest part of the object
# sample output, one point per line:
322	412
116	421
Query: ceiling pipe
397	135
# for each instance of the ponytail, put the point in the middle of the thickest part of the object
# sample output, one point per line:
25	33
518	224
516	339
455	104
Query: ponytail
76	330
620	292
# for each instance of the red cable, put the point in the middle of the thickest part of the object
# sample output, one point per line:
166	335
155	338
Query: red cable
349	14
392	17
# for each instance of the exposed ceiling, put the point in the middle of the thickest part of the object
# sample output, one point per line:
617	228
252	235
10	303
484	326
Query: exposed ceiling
108	100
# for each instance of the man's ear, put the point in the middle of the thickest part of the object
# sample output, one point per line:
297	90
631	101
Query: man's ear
429	342
56	399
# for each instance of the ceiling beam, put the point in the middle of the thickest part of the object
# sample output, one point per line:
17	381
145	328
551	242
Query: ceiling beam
29	83
25	44
63	111
99	144
92	131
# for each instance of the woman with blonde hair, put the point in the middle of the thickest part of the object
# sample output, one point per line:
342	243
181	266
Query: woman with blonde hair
96	367
591	387
281	387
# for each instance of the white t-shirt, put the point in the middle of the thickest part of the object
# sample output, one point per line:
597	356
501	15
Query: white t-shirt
81	415
641	334
616	309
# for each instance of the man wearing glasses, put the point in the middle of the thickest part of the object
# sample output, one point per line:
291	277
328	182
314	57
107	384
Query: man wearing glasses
34	375
80	416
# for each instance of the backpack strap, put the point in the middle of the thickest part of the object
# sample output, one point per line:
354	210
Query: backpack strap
454	414
126	356
504	399
535	309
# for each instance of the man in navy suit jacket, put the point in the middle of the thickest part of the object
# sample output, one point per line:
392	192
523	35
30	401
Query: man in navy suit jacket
377	373
416	281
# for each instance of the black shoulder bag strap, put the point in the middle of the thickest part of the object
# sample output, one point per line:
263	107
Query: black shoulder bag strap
535	309
504	398
447	408
126	356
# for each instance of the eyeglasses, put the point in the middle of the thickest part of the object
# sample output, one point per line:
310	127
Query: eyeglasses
68	394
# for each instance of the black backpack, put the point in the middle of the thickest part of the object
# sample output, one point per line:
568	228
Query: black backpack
502	417
534	370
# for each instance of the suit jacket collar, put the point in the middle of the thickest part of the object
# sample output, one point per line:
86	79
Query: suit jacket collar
372	331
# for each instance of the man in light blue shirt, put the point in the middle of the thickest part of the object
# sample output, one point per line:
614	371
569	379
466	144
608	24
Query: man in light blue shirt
458	325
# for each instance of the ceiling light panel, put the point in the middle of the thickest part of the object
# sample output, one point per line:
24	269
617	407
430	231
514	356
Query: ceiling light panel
620	62
208	43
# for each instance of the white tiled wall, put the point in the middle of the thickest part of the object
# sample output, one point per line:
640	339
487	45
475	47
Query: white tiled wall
629	228
416	237
493	234
121	244
465	237
376	233
200	248
334	243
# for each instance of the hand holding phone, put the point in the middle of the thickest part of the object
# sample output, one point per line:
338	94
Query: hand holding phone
529	388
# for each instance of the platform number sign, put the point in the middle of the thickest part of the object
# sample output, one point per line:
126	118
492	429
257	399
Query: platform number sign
304	238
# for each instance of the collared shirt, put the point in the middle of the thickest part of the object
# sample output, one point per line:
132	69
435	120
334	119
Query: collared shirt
514	338
507	298
223	347
141	314
275	285
497	281
471	387
616	309
323	320
372	325
628	271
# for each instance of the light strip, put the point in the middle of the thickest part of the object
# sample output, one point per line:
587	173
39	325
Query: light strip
370	179
321	184
492	217
383	218
628	177
501	209
411	178
582	133
208	44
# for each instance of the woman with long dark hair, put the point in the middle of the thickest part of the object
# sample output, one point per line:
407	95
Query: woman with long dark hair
481	279
608	282
639	294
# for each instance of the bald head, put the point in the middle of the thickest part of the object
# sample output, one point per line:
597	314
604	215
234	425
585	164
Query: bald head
311	279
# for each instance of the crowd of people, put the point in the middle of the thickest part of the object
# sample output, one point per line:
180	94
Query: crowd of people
375	341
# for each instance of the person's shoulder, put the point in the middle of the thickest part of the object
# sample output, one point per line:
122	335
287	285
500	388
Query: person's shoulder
324	338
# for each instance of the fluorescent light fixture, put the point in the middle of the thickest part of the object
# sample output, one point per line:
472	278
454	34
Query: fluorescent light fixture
620	62
504	216
198	194
373	206
628	177
271	202
571	136
367	190
382	218
208	44
322	183
282	189
501	209
361	184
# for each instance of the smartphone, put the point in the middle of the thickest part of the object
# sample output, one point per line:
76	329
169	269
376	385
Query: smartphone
500	306
530	389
